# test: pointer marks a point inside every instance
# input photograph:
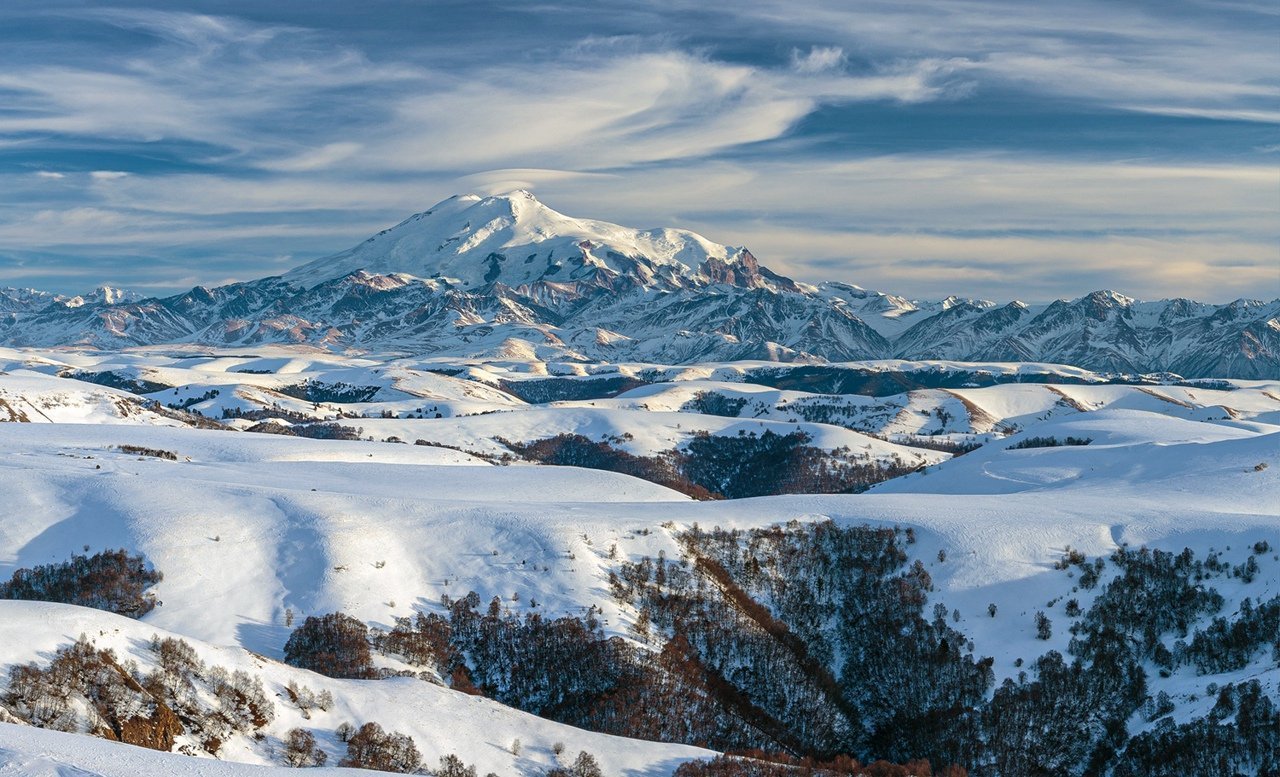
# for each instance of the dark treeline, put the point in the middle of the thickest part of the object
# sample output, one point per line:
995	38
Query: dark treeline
1230	645
273	411
314	430
832	379
715	403
575	450
1049	442
110	580
336	645
761	764
724	671
539	391
937	443
747	465
340	393
116	380
727	466
189	402
142	450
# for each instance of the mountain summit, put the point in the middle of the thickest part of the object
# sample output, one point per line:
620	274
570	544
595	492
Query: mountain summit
506	277
515	240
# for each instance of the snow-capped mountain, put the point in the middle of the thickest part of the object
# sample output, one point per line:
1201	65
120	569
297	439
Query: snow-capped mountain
516	241
27	300
1109	332
103	295
20	300
508	277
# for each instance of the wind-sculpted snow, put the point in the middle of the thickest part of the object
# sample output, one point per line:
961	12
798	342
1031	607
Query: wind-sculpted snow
507	277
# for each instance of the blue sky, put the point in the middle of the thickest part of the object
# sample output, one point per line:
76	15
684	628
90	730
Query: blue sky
971	147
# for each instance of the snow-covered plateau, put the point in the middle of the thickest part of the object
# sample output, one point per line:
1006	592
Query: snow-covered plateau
1027	508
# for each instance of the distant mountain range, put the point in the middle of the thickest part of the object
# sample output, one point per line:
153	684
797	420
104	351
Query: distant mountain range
506	277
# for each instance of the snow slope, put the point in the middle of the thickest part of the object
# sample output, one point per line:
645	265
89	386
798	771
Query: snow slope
251	530
241	520
440	721
32	397
516	239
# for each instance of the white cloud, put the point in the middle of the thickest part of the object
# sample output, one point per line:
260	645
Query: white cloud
1126	83
221	195
107	175
230	85
49	174
95	227
992	192
81	218
818	59
910	82
315	159
1261	116
530	179
597	111
1116	54
77	102
609	110
212	80
618	102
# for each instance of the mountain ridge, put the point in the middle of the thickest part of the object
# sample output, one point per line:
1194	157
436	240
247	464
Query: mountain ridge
508	277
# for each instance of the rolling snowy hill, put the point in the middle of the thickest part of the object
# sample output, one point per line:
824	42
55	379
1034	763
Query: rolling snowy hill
1070	484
